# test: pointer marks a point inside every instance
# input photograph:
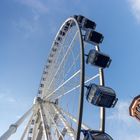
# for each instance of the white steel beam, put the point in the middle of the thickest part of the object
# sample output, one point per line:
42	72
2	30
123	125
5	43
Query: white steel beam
46	129
51	117
70	130
74	119
26	128
13	127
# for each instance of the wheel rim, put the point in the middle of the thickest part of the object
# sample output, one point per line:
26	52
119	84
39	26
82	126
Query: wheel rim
55	67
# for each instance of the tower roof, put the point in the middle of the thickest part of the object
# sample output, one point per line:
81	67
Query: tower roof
134	108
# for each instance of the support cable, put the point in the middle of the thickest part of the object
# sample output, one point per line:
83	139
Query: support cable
74	88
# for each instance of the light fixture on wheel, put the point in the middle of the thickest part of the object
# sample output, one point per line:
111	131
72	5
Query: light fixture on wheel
93	37
59	39
43	79
67	23
52	54
56	43
101	96
32	122
41	85
65	28
39	92
62	33
49	60
55	46
99	59
95	135
47	66
45	72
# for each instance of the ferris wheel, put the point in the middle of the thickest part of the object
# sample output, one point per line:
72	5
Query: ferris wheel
71	85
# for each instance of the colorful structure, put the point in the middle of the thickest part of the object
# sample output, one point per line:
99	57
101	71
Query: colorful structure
134	108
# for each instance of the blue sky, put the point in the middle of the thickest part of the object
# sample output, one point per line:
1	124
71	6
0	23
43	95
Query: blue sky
27	29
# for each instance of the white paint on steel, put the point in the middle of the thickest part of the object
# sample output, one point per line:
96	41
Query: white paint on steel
13	127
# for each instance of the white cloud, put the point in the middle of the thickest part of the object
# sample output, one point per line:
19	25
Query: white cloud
26	27
126	126
6	97
132	137
18	116
37	5
122	113
135	7
11	100
1	95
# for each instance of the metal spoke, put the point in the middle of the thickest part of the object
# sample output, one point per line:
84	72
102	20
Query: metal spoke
65	123
74	119
67	52
63	84
73	64
54	123
74	88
